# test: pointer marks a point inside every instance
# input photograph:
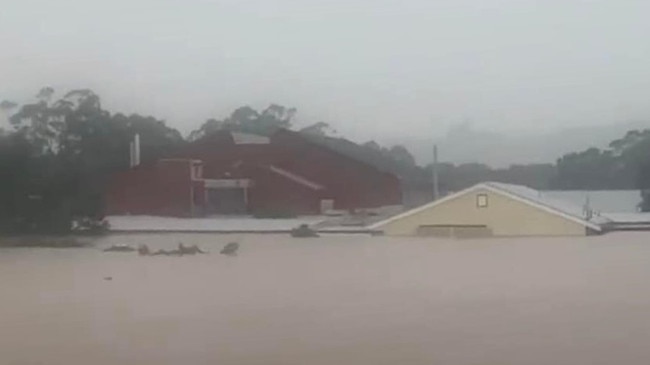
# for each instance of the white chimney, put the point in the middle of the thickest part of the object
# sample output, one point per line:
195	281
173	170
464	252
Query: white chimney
136	150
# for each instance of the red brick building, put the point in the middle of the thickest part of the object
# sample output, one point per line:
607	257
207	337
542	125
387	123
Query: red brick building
235	173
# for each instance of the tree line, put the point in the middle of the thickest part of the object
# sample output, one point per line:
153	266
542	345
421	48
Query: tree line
60	151
58	155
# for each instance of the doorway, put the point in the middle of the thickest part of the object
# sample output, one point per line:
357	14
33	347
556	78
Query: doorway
226	201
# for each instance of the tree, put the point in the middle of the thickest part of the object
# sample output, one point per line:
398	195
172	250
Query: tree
6	105
209	127
401	155
45	94
156	138
372	145
62	152
320	129
61	148
593	169
621	166
248	120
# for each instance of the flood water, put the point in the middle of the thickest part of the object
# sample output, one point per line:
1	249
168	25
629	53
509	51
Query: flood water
334	300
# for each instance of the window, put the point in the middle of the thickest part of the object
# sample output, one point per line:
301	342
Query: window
481	201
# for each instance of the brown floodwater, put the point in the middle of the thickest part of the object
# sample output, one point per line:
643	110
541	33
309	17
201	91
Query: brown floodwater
334	300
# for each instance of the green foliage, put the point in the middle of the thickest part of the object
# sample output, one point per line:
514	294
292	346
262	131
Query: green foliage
248	120
401	155
56	162
591	169
624	165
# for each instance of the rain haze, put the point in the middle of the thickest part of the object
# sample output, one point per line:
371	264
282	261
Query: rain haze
291	182
393	71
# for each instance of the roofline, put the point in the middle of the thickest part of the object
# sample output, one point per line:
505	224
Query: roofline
496	190
423	207
295	177
322	146
544	207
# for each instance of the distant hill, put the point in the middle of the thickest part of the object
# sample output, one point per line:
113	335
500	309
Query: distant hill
464	144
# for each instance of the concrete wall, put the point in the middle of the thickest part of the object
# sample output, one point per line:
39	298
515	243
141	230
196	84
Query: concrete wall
503	216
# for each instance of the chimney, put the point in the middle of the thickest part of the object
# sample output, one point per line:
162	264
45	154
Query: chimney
136	149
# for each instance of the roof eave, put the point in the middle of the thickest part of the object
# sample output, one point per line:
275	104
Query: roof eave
493	189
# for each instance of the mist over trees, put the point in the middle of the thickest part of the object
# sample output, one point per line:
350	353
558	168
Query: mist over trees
57	158
60	151
248	120
625	164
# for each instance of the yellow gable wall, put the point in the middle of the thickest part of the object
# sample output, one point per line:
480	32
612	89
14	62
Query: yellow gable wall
503	215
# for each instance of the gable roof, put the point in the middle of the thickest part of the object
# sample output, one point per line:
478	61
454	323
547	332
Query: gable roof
519	193
277	142
336	146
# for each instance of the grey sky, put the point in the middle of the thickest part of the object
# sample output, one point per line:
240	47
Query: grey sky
372	68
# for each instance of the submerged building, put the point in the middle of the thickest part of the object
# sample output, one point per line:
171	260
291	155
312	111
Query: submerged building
237	173
495	209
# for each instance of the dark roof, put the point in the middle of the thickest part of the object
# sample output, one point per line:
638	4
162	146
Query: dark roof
269	153
347	149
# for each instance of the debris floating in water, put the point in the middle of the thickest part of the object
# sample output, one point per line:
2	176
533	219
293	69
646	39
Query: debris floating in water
230	249
191	250
144	250
303	231
120	248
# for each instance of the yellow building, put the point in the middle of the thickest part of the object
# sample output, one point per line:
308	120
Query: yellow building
493	209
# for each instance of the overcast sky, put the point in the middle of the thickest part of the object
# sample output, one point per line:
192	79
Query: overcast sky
372	68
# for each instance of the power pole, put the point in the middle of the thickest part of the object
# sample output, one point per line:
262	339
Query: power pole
434	172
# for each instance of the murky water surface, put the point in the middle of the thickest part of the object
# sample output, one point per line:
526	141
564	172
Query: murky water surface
334	300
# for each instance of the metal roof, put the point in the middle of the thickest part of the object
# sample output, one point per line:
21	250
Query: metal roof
606	201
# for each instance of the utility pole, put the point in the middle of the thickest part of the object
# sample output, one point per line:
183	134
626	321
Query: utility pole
434	172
